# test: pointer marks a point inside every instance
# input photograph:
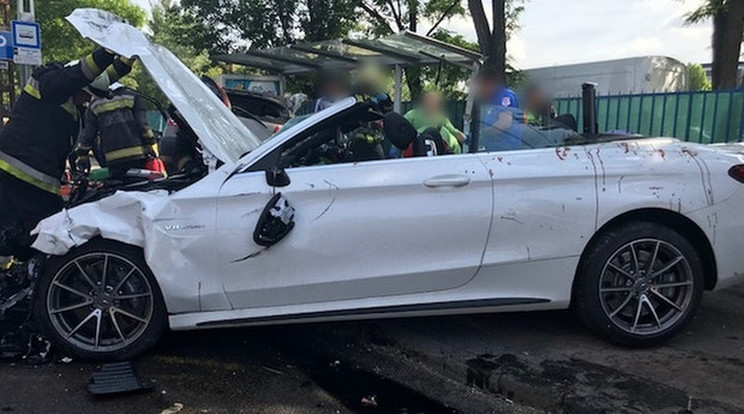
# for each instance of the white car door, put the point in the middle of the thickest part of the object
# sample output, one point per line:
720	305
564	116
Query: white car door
362	230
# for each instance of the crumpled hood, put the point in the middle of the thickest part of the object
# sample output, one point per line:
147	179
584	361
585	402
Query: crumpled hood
219	131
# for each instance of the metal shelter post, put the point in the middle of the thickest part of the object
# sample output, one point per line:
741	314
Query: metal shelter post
468	115
398	89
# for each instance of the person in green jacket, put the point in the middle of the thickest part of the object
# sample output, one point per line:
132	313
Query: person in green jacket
431	114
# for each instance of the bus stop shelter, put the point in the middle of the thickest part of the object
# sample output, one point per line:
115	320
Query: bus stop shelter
405	49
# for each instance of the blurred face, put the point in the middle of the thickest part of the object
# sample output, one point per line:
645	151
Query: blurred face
535	96
333	90
486	87
432	103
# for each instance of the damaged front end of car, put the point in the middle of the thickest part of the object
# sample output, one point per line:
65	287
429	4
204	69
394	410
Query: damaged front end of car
19	336
16	287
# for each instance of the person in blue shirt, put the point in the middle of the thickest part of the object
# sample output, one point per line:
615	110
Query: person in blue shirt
501	119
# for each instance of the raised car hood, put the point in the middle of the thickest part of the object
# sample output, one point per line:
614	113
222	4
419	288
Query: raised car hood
219	131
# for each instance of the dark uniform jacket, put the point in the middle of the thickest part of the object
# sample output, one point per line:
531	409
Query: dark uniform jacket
121	120
35	143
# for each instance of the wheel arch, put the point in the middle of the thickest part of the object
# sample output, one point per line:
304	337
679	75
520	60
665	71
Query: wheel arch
676	221
152	331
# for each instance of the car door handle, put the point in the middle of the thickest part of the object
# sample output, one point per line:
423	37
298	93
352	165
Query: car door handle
449	180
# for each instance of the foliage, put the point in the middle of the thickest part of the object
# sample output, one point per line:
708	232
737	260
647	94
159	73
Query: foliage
707	10
327	19
448	79
174	28
514	9
728	34
233	24
697	78
384	17
493	33
60	41
452	80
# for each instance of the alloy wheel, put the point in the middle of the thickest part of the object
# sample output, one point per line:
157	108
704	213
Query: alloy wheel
646	287
100	302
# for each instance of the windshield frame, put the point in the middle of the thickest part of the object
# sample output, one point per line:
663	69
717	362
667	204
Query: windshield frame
278	139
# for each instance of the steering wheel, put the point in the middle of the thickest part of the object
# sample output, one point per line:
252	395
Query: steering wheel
342	140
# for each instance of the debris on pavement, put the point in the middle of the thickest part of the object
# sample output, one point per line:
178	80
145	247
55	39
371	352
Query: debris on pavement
177	407
14	342
39	350
22	342
273	371
116	378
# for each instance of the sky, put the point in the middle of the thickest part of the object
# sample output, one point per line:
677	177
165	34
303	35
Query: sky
556	32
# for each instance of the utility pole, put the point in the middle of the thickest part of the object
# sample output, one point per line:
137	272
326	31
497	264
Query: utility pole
7	77
25	13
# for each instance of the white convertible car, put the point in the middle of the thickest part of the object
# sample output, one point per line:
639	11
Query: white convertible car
627	231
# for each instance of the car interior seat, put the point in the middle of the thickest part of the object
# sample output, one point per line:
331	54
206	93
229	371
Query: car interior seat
399	131
567	120
433	143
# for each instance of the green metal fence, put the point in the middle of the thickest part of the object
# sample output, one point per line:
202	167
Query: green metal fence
705	117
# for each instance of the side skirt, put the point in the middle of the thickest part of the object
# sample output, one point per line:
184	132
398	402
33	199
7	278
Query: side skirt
440	306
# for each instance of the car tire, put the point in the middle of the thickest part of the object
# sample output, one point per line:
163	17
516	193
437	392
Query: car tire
638	284
100	302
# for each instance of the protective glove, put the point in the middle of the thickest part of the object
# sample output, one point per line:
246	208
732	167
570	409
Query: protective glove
152	150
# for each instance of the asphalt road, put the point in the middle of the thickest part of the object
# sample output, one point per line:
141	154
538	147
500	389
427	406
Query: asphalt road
526	363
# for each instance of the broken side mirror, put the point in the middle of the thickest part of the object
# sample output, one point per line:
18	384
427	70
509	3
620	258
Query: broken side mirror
277	177
275	222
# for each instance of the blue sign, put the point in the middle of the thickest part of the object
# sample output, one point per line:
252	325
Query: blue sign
26	34
6	46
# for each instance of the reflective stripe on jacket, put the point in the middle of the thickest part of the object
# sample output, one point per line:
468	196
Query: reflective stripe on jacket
27	174
121	122
44	123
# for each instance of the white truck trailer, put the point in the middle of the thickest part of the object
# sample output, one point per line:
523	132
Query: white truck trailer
614	77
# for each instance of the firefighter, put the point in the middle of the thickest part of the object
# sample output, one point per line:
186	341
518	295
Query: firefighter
35	143
127	141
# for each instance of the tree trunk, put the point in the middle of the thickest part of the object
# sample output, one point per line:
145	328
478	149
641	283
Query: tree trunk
728	28
413	9
413	80
497	56
492	42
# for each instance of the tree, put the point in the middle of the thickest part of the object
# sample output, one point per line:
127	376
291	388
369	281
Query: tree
385	17
698	80
448	79
327	19
233	24
177	30
272	23
492	38
728	30
60	41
